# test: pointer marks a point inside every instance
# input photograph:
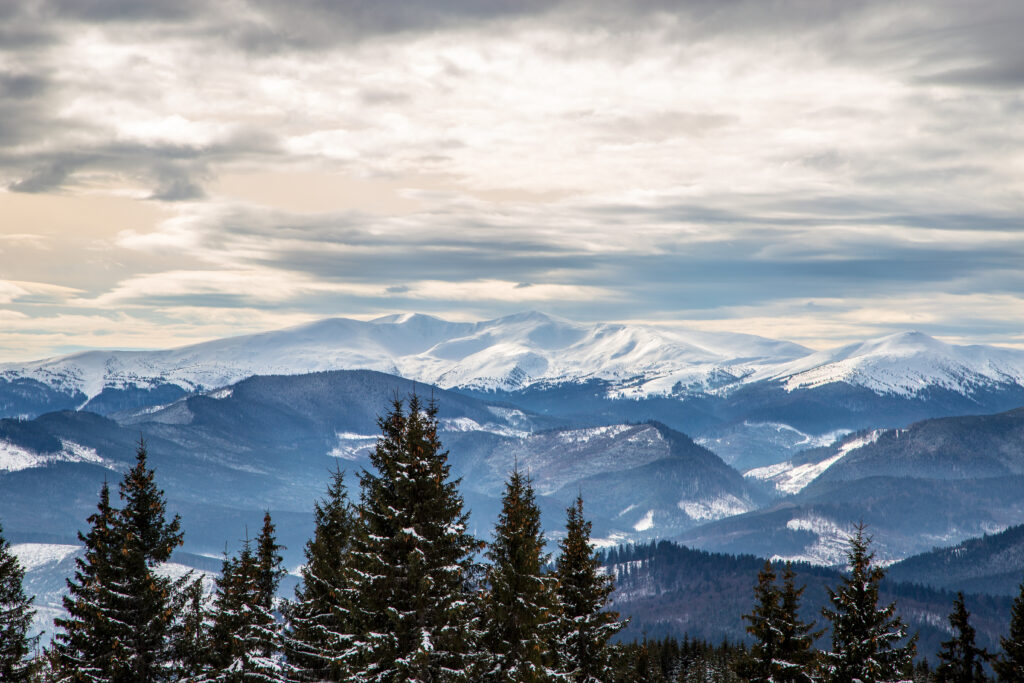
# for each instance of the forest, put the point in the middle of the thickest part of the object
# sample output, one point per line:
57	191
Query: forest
395	589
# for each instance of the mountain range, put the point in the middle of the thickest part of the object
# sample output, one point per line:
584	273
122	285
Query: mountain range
754	401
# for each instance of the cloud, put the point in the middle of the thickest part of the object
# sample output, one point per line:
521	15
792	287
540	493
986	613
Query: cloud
602	160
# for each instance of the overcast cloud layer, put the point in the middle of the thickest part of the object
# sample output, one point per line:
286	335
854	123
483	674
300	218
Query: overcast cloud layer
820	172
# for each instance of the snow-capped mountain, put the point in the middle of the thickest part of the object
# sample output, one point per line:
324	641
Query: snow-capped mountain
506	353
521	350
903	364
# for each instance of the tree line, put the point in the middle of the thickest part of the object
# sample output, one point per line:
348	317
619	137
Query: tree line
394	589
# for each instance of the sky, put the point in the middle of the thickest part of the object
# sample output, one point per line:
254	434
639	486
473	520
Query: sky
173	171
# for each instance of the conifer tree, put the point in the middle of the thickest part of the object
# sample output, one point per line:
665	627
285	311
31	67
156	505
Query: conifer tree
413	557
960	660
518	610
764	627
865	636
15	618
245	637
585	626
1010	665
89	645
120	615
190	636
321	635
147	539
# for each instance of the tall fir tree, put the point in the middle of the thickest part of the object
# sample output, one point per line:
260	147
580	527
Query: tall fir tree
865	637
89	645
320	629
191	633
585	626
120	611
412	556
764	627
783	649
519	603
15	618
246	640
1010	665
960	659
797	655
147	539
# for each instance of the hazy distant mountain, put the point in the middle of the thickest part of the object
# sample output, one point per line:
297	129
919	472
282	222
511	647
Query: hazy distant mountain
269	442
934	483
992	564
754	401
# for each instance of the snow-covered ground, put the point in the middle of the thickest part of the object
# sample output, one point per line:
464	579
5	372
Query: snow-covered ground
14	457
789	478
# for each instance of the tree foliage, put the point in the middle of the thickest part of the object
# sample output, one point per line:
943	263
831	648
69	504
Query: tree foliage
865	637
15	618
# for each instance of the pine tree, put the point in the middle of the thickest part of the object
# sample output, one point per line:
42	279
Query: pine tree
89	645
15	618
796	653
412	557
120	612
1010	665
321	634
865	636
585	626
764	627
518	610
147	539
961	661
246	640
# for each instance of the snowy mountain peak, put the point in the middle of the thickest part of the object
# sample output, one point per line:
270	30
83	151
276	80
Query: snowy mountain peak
515	351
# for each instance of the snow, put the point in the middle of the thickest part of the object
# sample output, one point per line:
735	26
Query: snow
465	424
14	457
829	549
789	478
35	555
714	508
516	351
646	522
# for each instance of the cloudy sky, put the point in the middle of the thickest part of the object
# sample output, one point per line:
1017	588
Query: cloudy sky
178	170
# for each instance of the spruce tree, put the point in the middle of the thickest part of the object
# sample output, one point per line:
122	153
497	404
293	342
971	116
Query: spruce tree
412	557
960	660
585	626
518	610
191	632
1010	665
246	641
89	645
865	636
320	629
120	612
764	627
15	618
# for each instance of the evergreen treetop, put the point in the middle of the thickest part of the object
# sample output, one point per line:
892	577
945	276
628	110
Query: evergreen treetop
321	636
519	602
583	589
15	618
865	637
961	661
412	556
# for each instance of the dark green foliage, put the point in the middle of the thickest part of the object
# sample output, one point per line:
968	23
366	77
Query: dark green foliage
412	556
15	618
88	645
246	641
146	540
585	625
519	602
783	645
190	637
1010	665
961	660
865	637
120	612
320	638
